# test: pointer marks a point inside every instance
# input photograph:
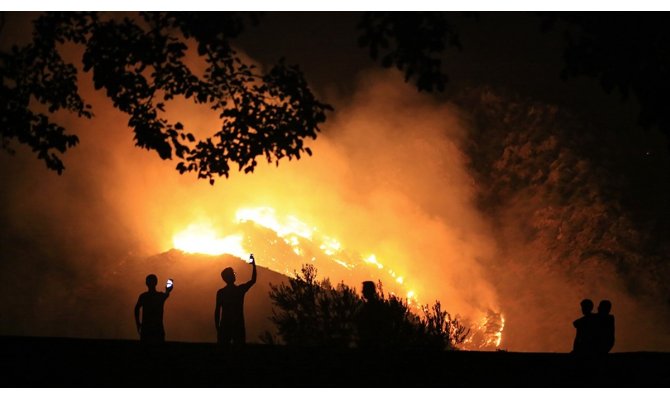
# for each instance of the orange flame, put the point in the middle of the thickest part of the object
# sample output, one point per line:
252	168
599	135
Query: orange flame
204	239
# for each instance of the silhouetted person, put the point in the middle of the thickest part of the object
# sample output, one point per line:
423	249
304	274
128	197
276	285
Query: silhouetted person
151	302
370	320
605	328
229	312
585	338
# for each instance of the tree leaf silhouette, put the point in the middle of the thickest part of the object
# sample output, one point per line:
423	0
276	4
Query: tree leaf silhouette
268	114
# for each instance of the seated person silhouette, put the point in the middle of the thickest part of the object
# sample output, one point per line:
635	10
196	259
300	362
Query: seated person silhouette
229	311
370	320
586	330
605	328
151	302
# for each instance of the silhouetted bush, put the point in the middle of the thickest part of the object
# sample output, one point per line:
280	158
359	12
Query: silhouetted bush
441	329
308	312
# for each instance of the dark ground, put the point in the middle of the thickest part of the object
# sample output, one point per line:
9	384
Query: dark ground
62	362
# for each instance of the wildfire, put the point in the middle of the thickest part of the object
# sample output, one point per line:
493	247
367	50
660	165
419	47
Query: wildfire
500	331
487	333
204	239
266	216
372	259
306	242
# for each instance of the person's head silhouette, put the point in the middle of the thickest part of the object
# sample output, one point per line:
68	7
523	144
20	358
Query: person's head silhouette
369	290
604	307
587	306
228	275
151	281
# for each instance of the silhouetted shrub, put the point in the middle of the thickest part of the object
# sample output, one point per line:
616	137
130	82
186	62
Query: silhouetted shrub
441	330
309	312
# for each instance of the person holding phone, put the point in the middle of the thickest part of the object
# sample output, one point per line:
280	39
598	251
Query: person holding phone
229	311
151	303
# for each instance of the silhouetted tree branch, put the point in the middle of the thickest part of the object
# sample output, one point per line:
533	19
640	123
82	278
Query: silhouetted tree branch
628	52
413	42
140	63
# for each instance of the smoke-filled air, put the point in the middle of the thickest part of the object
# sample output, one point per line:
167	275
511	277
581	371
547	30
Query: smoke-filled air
402	188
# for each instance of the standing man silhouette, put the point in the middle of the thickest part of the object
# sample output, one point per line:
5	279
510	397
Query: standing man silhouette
229	311
370	321
151	302
585	338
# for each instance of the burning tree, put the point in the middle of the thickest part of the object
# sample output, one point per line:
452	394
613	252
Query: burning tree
308	312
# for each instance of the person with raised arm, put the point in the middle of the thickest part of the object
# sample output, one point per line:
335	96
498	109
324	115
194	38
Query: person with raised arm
229	311
151	304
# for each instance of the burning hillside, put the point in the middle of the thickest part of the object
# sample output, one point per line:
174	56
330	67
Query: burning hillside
284	243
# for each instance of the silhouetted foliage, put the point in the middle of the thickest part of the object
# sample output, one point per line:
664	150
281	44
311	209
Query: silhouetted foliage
412	42
441	328
140	63
627	52
308	312
569	204
577	195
